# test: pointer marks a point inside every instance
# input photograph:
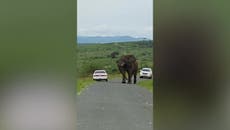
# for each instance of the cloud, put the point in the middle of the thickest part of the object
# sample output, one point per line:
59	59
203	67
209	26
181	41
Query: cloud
115	17
106	30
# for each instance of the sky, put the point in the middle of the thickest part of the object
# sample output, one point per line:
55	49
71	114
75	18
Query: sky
115	18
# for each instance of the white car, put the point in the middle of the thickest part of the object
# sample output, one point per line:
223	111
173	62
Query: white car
100	75
146	72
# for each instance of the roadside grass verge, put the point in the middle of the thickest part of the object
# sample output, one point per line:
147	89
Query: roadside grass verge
84	82
148	84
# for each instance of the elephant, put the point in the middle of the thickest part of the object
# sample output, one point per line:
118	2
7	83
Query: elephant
128	63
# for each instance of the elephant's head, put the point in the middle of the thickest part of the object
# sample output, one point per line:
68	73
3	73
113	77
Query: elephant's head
126	60
120	63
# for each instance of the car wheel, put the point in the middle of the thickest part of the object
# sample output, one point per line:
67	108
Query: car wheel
140	76
106	80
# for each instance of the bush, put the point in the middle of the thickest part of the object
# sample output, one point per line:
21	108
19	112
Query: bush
114	54
99	56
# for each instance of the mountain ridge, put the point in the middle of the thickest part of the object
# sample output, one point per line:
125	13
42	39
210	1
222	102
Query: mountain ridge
106	39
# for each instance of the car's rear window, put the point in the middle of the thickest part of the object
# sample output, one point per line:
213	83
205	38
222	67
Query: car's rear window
146	70
99	71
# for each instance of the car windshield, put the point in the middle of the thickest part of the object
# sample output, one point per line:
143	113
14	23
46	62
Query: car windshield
99	71
147	70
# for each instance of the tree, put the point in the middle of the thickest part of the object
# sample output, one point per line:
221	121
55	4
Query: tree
114	54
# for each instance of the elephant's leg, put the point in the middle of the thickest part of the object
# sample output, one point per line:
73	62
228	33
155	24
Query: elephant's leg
123	78
129	77
135	78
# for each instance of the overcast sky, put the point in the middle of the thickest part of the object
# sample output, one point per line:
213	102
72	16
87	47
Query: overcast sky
115	17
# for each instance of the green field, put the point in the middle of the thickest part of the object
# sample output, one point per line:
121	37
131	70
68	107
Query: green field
98	56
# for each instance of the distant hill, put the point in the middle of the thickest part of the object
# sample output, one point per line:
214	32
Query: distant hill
106	39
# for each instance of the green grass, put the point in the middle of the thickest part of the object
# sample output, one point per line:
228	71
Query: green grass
148	84
98	56
82	83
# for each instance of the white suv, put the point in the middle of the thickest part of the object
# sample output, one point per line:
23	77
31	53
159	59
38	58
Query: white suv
146	72
100	75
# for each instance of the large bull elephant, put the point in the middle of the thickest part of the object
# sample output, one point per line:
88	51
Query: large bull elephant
128	63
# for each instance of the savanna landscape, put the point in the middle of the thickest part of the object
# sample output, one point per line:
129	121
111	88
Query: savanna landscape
104	56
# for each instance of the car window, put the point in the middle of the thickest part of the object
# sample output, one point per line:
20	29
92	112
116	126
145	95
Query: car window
99	71
147	70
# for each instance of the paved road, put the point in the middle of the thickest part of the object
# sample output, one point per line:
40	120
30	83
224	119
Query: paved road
114	106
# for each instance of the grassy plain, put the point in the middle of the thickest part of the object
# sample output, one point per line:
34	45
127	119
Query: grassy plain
98	56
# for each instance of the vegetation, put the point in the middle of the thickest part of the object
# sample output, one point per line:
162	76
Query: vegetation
82	83
146	84
104	56
98	56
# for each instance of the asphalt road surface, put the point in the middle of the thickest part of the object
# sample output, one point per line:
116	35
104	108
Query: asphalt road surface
114	106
